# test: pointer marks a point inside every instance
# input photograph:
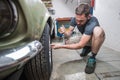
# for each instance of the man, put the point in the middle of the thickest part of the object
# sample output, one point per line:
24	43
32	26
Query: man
92	35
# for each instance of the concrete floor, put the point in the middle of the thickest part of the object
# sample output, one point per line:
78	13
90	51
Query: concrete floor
68	65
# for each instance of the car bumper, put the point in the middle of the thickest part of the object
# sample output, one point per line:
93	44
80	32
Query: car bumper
18	56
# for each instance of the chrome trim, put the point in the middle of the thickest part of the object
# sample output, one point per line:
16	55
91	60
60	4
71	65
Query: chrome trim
19	56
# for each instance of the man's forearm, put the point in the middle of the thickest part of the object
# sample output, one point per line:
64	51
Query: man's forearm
71	46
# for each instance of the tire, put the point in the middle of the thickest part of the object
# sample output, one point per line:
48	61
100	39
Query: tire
40	67
53	34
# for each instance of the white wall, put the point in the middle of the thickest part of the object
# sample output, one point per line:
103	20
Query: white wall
108	14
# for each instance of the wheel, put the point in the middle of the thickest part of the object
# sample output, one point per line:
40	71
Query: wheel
40	67
53	34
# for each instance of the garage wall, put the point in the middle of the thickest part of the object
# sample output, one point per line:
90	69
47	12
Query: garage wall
108	14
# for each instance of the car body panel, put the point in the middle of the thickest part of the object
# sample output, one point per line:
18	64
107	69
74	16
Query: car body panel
28	25
32	18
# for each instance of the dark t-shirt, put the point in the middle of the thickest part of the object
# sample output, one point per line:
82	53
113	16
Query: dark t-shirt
88	27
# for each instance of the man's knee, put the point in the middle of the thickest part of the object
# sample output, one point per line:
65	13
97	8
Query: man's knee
98	32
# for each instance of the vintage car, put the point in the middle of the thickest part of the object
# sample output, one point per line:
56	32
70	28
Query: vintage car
25	36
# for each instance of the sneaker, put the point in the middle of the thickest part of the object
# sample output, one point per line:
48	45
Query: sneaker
85	51
91	64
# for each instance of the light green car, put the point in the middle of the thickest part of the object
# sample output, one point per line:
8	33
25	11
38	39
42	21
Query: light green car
25	35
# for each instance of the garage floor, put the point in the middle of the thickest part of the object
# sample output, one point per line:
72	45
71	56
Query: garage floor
68	65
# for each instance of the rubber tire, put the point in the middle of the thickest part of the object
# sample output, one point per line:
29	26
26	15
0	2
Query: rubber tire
40	67
53	34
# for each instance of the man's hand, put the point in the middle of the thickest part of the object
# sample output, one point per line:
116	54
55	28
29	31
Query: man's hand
56	46
62	29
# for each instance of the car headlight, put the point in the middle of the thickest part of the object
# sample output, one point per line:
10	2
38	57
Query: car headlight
8	17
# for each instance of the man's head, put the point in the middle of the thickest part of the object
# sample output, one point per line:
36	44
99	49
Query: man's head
82	13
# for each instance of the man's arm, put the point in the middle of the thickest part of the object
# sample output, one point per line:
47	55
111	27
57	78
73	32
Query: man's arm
84	39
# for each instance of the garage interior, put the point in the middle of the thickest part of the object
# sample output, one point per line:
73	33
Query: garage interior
68	65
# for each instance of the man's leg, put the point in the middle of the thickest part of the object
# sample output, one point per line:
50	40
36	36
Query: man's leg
97	40
75	38
85	51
